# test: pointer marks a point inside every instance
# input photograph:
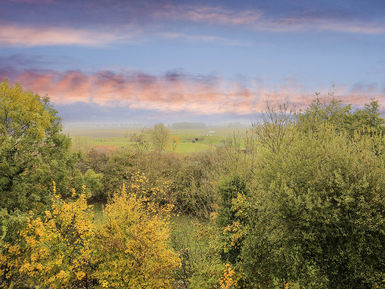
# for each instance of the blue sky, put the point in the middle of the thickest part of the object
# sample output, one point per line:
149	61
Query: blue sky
131	61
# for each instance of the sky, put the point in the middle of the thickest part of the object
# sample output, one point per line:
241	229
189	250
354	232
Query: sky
142	61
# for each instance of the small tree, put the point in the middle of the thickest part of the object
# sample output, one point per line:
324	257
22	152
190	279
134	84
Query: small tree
132	245
342	117
33	151
160	137
273	129
54	250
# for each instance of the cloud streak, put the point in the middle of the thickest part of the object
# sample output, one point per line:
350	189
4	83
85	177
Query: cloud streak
255	19
152	24
210	14
319	25
15	35
173	91
204	38
151	21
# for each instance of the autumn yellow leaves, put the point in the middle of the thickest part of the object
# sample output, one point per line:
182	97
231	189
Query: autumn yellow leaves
65	248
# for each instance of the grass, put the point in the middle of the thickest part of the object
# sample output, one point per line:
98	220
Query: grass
98	213
192	147
113	139
201	266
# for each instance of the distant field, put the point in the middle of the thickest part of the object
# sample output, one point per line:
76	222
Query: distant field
116	138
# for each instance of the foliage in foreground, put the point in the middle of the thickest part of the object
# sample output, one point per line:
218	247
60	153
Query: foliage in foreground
65	249
195	241
54	250
316	213
132	244
33	152
301	204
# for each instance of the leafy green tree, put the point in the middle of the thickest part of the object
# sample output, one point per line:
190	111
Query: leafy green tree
25	122
369	117
316	215
160	136
33	153
111	169
342	117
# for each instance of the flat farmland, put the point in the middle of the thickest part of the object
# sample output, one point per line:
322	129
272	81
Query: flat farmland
180	140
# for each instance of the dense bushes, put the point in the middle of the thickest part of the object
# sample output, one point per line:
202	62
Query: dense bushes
316	216
66	249
132	244
300	205
195	241
190	179
54	250
231	218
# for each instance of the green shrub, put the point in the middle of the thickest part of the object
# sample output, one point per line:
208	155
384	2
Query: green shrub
317	214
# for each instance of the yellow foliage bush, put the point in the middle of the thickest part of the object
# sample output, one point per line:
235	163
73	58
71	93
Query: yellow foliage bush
64	248
227	280
55	250
158	193
3	261
132	244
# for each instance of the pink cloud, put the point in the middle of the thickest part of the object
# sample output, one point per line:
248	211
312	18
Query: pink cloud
176	92
15	35
48	36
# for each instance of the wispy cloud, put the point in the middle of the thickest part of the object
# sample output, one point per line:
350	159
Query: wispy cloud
158	19
174	91
255	19
319	25
48	36
210	14
204	38
281	17
15	35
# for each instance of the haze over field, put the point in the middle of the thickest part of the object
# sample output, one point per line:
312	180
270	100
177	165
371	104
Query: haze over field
209	61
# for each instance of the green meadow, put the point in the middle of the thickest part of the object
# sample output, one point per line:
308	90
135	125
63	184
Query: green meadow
189	140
